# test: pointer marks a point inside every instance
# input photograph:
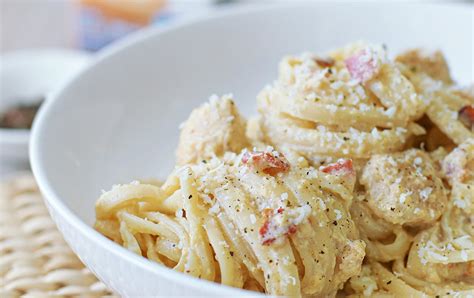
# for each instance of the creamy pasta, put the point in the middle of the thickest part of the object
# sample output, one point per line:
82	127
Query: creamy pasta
355	179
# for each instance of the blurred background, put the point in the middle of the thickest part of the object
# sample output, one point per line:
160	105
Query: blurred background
45	42
85	24
91	24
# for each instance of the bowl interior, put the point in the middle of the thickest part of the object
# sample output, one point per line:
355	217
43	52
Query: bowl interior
118	120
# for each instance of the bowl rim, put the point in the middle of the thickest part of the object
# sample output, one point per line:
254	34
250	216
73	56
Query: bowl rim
40	122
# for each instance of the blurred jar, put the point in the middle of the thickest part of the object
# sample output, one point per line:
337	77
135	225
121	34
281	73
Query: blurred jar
103	21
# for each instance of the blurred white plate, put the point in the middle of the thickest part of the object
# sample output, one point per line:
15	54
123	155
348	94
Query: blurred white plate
118	120
25	77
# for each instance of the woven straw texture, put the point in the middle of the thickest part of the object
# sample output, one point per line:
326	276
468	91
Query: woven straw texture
35	261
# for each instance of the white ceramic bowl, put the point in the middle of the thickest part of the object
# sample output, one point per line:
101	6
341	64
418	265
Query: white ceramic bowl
118	120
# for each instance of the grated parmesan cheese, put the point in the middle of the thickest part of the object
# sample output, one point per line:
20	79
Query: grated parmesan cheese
375	133
214	209
390	112
404	196
425	193
363	107
461	204
418	161
332	108
253	218
322	204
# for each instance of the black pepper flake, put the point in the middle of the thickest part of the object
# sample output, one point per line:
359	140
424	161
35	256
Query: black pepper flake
231	253
321	252
392	208
389	282
190	196
334	222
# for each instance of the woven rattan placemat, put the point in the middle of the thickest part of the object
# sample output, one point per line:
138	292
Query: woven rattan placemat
34	258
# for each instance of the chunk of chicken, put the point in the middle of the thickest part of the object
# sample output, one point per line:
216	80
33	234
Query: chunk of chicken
211	130
438	260
404	188
458	166
349	263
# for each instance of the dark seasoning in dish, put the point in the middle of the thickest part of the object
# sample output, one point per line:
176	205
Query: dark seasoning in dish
20	116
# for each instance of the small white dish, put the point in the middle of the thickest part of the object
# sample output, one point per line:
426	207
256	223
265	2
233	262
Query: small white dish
26	76
118	120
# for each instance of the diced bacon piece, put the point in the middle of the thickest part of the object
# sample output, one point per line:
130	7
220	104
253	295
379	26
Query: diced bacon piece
292	229
466	116
324	62
264	231
342	167
469	272
267	162
267	213
363	66
271	230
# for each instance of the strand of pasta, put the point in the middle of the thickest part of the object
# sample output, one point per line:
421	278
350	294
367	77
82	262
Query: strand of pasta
445	102
317	107
353	143
193	222
375	232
